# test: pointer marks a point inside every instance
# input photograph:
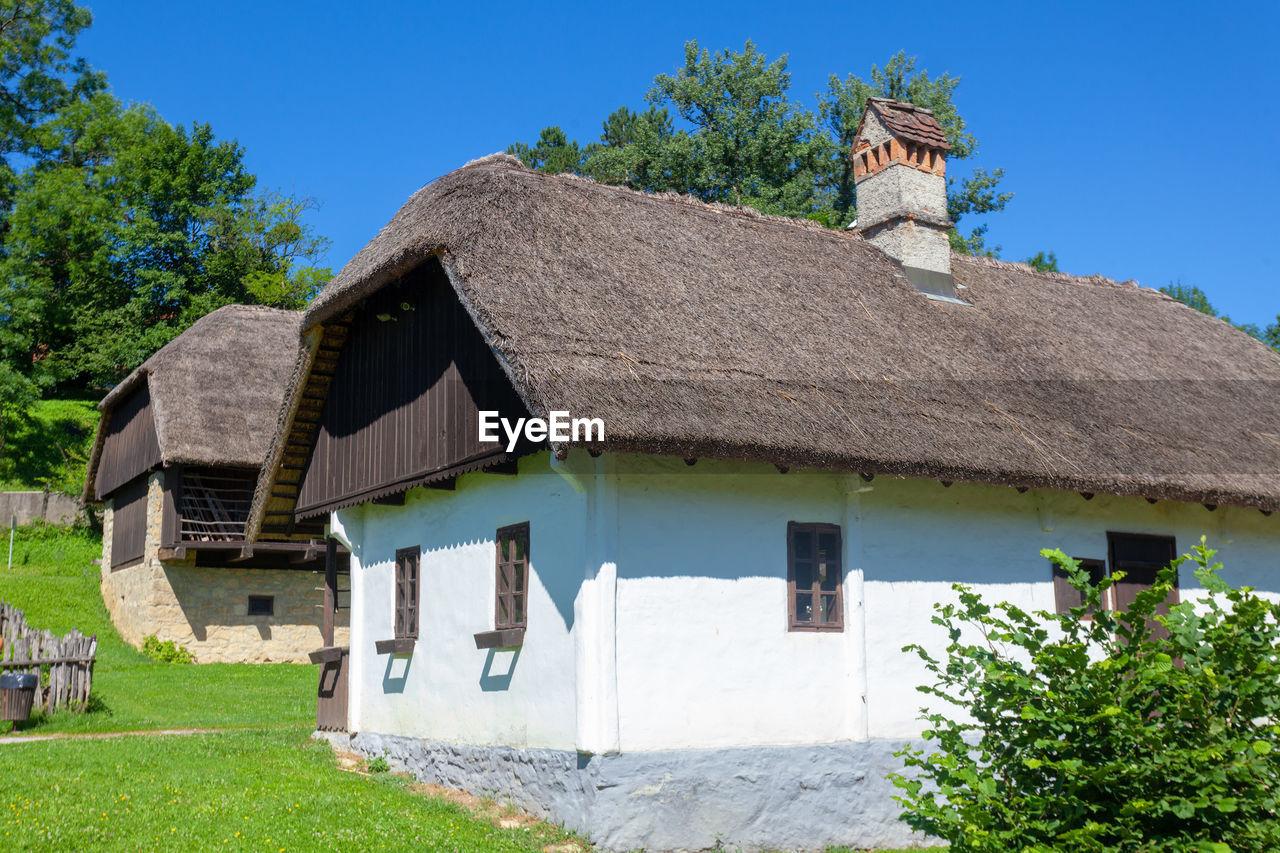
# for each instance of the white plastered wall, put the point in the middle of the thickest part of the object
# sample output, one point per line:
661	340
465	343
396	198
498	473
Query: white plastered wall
448	690
658	598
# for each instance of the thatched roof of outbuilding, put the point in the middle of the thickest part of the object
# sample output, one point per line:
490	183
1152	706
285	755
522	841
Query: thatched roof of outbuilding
701	331
215	390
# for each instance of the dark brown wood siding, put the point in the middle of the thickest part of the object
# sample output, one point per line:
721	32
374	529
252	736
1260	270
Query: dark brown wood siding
129	523
412	376
130	446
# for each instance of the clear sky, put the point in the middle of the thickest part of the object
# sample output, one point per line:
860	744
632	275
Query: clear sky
1139	137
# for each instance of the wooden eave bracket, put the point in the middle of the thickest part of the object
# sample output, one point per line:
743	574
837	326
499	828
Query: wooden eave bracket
171	552
397	646
503	638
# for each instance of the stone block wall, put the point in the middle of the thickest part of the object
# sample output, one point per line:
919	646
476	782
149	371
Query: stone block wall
205	610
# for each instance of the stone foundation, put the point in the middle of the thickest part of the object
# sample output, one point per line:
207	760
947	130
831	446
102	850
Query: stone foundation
752	798
205	610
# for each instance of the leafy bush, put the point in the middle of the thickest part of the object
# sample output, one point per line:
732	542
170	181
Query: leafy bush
1092	734
379	764
165	652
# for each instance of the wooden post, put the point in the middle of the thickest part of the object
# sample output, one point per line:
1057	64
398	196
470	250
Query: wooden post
330	589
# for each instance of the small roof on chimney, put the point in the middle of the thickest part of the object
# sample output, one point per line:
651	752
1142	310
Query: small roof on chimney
907	121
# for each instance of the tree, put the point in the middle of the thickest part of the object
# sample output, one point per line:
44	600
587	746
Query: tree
553	153
743	141
1088	731
38	76
748	143
128	231
1194	297
1043	261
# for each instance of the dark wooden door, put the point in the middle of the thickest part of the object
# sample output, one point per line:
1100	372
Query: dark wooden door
331	706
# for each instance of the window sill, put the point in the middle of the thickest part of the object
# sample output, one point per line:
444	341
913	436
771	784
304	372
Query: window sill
504	638
398	646
328	654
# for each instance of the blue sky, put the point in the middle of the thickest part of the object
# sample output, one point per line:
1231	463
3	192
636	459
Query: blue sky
1139	137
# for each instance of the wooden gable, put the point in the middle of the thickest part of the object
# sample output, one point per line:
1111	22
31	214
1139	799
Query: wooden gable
130	447
402	406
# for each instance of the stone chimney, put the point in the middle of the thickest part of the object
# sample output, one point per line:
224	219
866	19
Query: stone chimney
899	168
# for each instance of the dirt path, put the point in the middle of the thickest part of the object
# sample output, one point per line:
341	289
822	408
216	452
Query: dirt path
11	739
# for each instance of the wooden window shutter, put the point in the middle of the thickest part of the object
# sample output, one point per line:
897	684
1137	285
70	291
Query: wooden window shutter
1141	557
1065	596
815	582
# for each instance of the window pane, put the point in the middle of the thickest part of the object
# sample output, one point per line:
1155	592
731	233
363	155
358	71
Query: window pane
829	547
802	544
804	607
827	609
804	576
517	576
504	578
522	545
504	611
517	608
829	576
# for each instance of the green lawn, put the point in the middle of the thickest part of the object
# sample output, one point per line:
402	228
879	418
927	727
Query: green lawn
50	447
244	790
54	582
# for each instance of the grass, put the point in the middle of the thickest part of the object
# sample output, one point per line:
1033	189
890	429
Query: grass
49	447
246	790
57	587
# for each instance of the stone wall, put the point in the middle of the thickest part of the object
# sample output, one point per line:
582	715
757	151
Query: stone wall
53	507
205	610
749	799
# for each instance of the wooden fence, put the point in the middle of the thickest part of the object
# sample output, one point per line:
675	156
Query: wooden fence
67	660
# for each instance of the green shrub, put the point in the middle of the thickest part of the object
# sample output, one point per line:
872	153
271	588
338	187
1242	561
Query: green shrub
379	764
1091	734
165	652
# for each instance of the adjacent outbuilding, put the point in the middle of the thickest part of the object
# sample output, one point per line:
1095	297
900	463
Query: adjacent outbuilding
179	448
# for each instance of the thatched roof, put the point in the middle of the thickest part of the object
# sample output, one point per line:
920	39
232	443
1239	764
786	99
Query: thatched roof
215	390
695	330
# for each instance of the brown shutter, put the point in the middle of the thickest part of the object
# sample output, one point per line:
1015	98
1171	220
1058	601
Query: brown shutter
1065	596
1141	557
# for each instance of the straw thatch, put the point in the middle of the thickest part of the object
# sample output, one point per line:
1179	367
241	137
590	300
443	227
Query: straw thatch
695	330
216	389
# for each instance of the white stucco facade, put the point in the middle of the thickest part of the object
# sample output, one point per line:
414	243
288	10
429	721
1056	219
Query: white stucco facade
658	603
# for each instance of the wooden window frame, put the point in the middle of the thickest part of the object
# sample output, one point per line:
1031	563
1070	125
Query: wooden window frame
508	632
518	567
408	582
815	588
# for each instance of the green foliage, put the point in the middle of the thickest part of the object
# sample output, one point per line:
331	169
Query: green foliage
1043	261
1194	297
379	764
1080	734
165	652
131	229
48	446
742	140
118	230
